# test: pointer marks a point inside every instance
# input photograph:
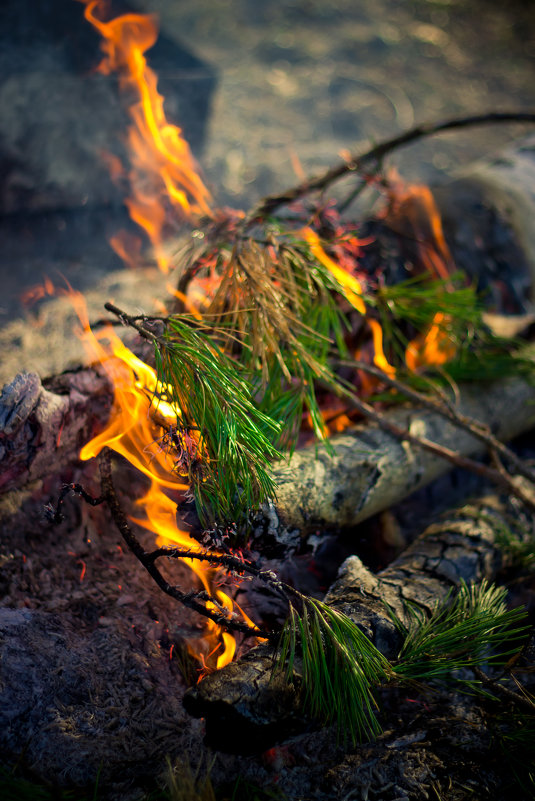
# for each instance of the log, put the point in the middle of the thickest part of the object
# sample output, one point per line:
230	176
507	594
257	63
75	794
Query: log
242	698
487	212
44	425
370	469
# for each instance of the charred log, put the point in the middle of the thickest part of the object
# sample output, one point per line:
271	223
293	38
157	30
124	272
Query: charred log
43	425
244	698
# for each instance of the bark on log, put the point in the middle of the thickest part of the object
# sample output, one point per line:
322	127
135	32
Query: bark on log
44	425
242	699
370	469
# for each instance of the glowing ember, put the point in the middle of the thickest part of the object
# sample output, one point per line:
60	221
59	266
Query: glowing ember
163	175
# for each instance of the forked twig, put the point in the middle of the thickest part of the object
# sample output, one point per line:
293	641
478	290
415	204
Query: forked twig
447	410
375	154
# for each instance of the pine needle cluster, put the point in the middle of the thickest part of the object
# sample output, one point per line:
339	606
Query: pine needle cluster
223	442
339	667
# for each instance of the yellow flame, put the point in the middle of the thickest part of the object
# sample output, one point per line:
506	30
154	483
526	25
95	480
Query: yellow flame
135	426
351	285
434	347
163	172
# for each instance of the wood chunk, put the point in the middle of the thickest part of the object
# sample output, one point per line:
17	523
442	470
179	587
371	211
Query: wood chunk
370	470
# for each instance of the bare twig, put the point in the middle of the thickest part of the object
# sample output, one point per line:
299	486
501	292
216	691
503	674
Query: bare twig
193	599
55	515
447	410
505	692
375	154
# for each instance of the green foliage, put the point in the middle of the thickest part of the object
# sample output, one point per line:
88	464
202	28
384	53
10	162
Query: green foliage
227	467
338	665
480	355
468	630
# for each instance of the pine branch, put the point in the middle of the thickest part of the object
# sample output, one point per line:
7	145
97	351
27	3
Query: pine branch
472	629
226	462
338	667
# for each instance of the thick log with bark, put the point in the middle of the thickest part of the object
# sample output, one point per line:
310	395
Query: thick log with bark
44	425
244	699
371	469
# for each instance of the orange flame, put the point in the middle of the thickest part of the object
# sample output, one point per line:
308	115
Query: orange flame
434	347
163	174
37	292
134	430
412	208
353	292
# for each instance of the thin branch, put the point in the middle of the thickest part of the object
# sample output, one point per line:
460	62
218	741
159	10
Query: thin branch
56	515
189	599
357	162
505	692
474	427
133	322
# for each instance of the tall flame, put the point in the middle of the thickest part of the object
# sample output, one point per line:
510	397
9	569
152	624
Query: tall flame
163	174
134	431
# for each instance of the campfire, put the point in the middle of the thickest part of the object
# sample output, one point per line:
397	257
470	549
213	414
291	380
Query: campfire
305	377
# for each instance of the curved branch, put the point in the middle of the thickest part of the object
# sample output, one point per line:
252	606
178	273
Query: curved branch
376	153
189	599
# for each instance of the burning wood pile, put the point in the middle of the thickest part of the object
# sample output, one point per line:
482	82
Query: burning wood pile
308	374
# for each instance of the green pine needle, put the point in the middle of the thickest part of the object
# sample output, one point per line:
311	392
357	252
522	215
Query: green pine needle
469	630
338	665
480	354
229	473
